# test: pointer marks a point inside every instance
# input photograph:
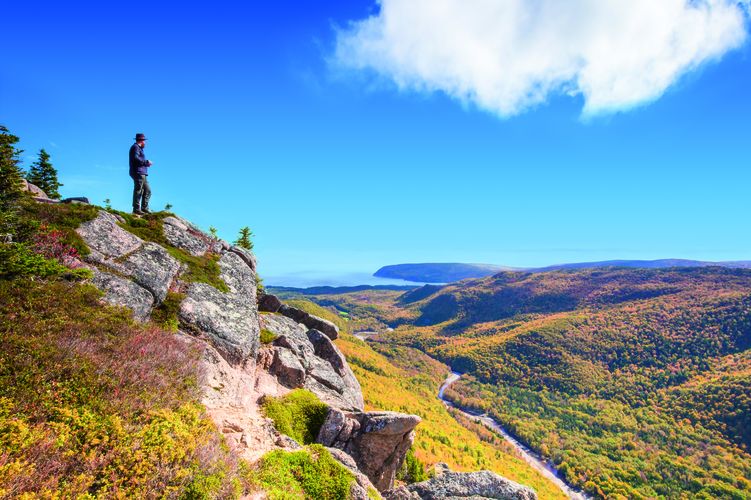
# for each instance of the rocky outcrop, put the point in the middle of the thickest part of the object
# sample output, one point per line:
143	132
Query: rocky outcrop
301	357
271	303
448	485
229	319
128	269
112	247
376	441
238	372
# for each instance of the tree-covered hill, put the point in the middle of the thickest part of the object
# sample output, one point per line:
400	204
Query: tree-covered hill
635	382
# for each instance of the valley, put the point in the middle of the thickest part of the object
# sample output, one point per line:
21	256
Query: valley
633	383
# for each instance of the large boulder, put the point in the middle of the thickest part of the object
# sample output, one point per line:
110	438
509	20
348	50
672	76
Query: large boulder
377	441
106	240
228	319
269	303
152	267
307	319
450	485
124	292
327	373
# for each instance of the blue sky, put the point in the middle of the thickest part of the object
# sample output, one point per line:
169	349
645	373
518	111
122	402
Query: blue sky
277	115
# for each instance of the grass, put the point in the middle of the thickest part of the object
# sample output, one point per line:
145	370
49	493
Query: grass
94	405
298	414
311	473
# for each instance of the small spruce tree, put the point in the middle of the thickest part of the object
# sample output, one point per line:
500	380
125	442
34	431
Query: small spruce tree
43	175
244	238
11	176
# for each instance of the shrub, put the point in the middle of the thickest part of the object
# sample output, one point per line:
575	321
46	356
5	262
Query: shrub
299	414
18	261
311	473
94	405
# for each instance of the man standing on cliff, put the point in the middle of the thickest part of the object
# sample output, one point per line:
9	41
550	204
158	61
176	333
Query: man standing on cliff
139	172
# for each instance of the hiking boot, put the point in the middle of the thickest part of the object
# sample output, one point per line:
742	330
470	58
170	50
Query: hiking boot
145	211
138	212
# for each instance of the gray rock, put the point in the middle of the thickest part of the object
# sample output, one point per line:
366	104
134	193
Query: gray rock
106	239
6	238
229	320
148	264
337	428
309	320
294	313
461	485
287	368
376	441
246	255
322	371
325	349
269	303
185	237
152	267
323	325
35	190
124	292
332	426
291	335
288	443
381	443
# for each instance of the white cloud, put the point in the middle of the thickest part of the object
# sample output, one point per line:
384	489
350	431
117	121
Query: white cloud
506	56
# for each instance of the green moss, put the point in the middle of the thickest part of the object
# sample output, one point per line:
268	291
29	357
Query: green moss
298	414
203	269
311	473
267	336
166	314
148	228
373	493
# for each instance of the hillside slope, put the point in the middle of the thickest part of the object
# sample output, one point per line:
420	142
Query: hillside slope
635	382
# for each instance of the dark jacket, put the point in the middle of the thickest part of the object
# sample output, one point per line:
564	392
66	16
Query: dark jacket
139	165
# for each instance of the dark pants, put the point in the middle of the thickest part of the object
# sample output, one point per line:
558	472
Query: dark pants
141	192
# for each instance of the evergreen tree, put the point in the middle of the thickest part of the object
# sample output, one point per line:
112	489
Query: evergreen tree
244	238
11	176
43	175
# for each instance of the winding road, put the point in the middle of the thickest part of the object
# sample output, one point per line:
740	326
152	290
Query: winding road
529	456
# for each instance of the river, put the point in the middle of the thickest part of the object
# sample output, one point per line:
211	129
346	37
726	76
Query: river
529	456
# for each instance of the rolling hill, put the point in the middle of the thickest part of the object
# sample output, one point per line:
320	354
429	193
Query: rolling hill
635	382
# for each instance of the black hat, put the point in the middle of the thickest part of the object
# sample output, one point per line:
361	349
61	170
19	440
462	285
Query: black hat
140	137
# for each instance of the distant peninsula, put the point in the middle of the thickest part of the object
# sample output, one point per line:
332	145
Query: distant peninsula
438	272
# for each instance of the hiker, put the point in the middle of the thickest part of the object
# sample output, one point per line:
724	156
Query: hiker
139	172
